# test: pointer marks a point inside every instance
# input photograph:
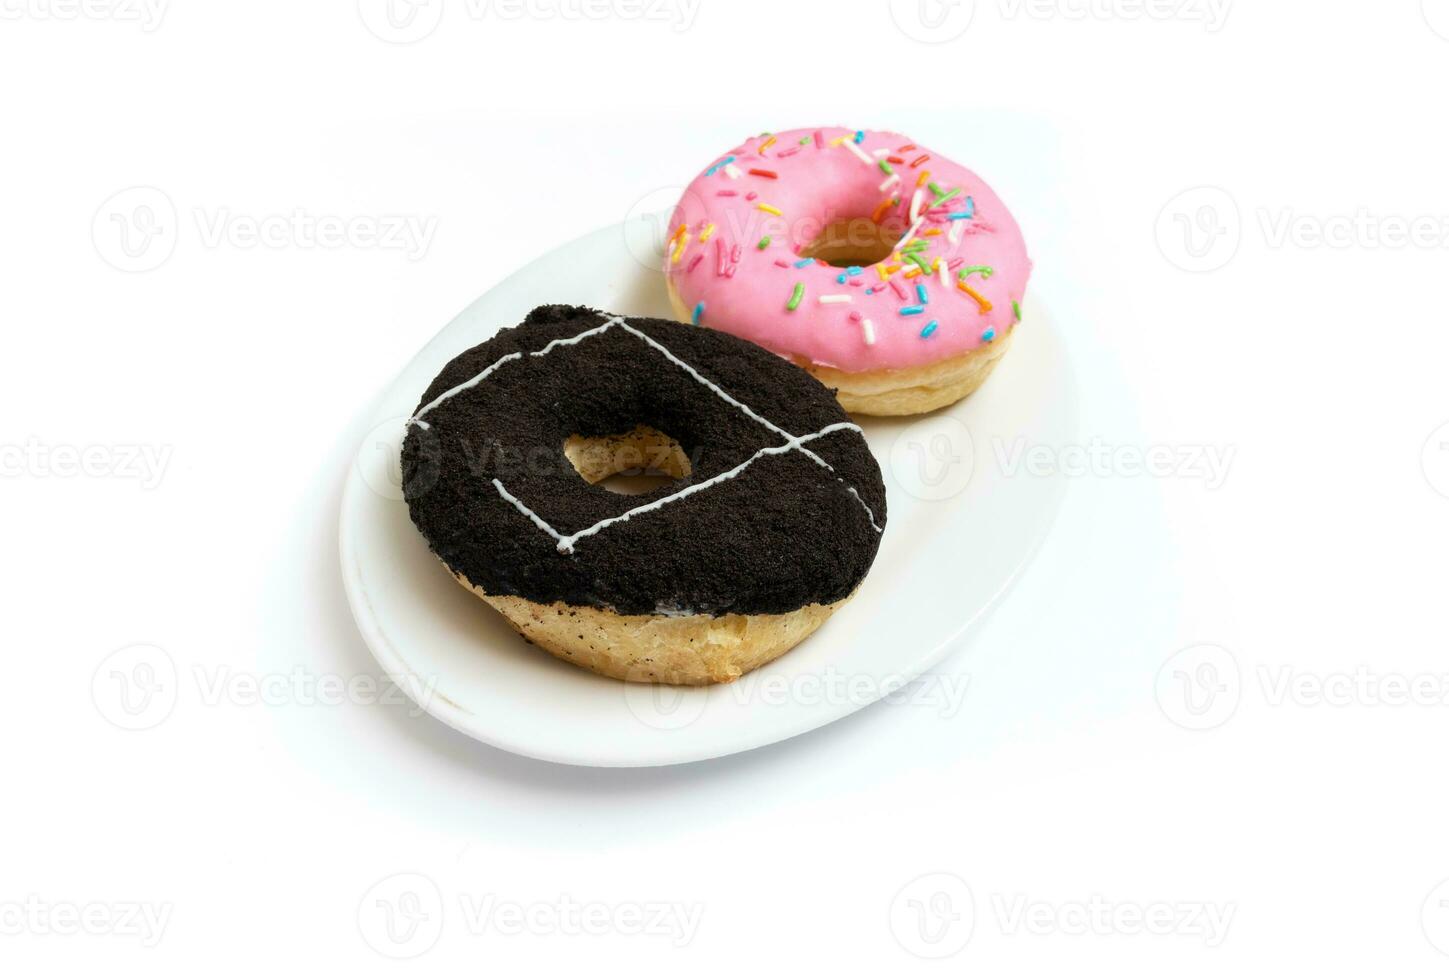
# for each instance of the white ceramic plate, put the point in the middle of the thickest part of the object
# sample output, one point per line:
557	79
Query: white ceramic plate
965	517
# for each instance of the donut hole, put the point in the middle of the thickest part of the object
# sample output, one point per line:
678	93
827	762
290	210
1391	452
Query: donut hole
853	242
639	461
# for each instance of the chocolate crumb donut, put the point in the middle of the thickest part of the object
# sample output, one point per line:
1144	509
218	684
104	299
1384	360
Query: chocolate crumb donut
772	519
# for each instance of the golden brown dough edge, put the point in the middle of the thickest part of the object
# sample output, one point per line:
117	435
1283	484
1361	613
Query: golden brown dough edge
686	650
908	391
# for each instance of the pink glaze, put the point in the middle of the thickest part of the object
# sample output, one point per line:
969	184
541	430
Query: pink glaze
745	289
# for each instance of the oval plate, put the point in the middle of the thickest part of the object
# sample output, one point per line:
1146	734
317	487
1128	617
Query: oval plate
964	521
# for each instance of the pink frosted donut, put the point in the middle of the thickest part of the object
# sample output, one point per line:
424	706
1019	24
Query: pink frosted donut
890	272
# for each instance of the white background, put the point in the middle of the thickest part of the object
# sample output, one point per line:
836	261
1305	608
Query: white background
1075	774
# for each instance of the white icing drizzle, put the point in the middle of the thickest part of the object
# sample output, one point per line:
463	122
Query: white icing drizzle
516	356
523	509
566	542
869	514
736	403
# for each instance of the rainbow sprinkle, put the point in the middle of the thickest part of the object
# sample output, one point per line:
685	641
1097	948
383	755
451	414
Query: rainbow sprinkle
981	301
966	215
935	215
